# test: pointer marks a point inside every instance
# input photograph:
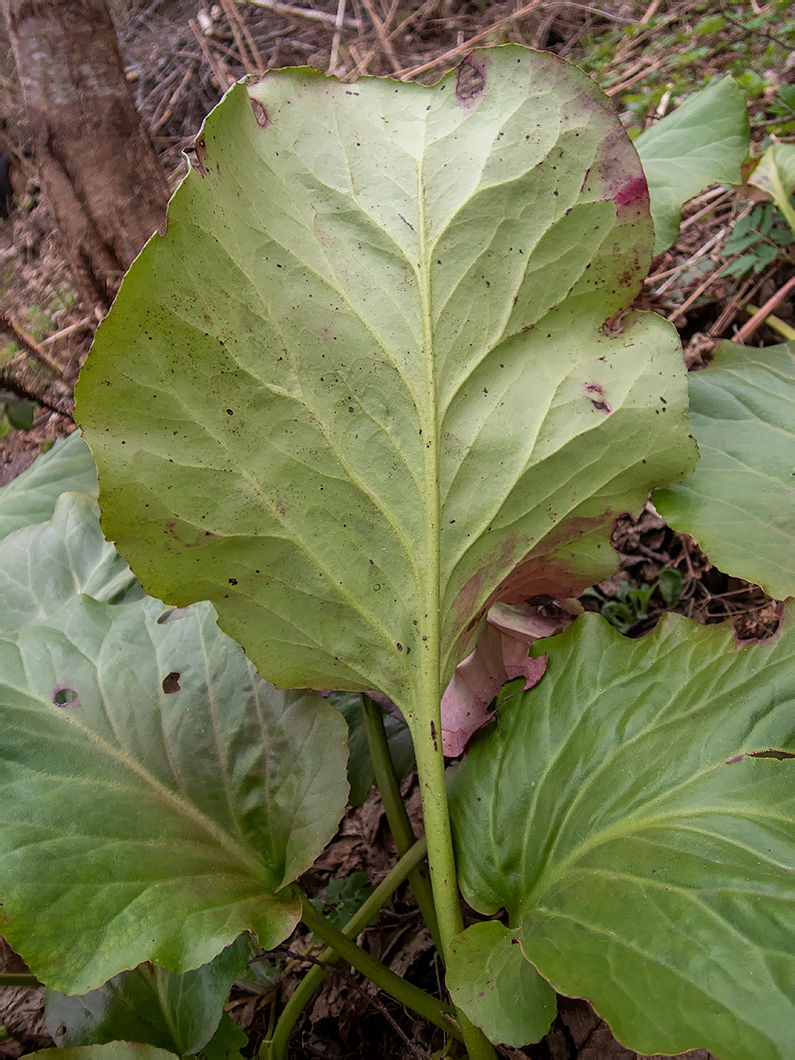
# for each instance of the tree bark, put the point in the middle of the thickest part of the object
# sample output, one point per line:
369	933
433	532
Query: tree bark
97	167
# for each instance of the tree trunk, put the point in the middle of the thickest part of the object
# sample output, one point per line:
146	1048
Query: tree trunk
97	168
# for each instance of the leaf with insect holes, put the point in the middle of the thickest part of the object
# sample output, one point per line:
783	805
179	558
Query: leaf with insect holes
621	815
158	797
364	385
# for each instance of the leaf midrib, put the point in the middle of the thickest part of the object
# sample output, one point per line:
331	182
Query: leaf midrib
429	691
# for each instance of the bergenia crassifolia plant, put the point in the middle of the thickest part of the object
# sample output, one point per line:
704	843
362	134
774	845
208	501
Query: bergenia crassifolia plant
379	380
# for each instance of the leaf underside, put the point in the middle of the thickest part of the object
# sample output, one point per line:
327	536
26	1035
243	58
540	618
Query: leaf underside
618	814
740	502
363	387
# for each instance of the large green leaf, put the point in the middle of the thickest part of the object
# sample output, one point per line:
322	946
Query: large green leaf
31	497
703	142
365	376
111	1051
157	797
644	856
42	566
740	503
179	1013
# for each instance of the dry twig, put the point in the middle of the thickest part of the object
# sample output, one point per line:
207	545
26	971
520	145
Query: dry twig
308	14
466	45
756	321
30	344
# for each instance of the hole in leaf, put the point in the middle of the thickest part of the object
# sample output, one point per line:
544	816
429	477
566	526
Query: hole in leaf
171	683
65	697
772	753
468	80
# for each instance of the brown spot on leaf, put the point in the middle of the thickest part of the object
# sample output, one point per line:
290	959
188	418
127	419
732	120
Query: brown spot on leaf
596	395
261	114
200	147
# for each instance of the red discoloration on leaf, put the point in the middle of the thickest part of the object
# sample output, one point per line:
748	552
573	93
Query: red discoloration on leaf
545	569
635	190
171	529
732	761
596	395
548	568
474	685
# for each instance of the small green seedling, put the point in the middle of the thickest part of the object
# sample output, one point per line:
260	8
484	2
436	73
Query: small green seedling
631	604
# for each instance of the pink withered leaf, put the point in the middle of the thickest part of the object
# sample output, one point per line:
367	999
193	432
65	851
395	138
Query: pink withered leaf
500	654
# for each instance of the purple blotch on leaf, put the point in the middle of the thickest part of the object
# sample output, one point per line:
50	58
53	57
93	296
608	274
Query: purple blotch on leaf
633	190
596	395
